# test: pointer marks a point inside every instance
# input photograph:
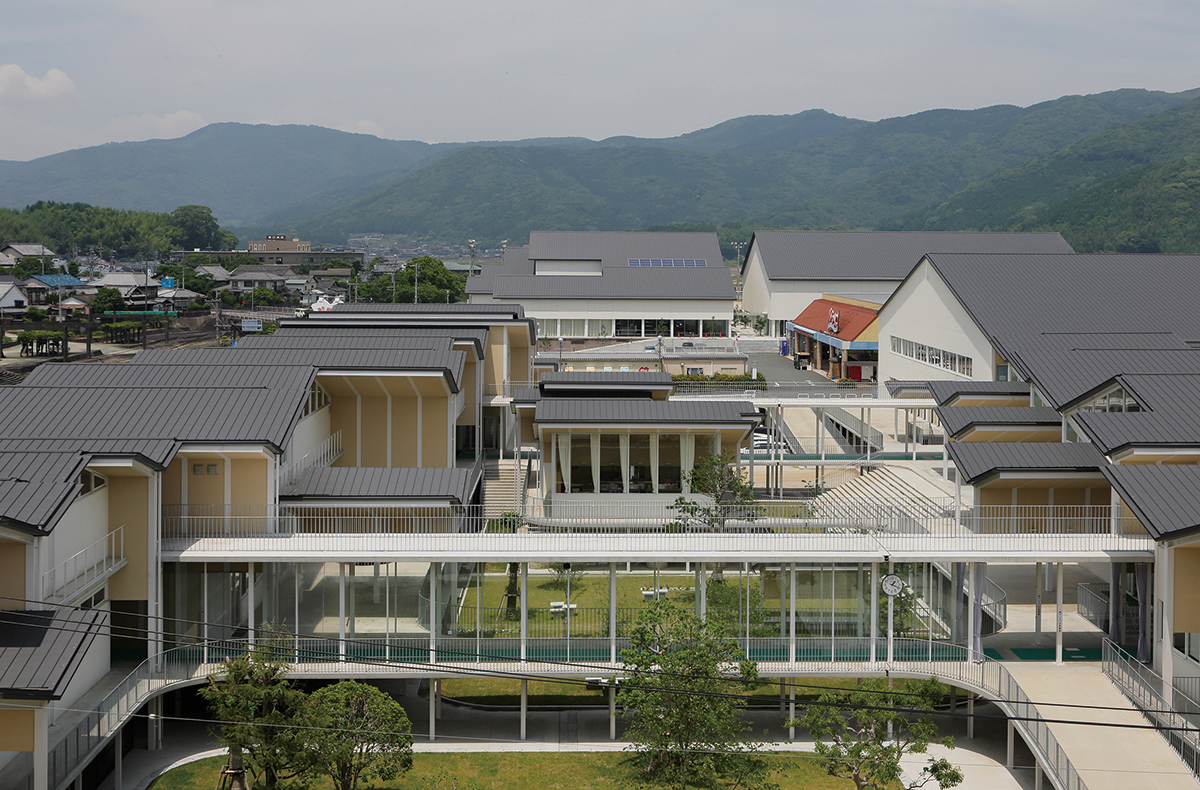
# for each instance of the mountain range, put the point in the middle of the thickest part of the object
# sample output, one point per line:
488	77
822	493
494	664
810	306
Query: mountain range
992	168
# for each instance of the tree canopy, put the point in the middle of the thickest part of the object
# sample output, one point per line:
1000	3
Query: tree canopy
355	733
682	678
434	282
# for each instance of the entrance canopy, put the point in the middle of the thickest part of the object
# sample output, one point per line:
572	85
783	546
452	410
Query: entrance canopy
838	324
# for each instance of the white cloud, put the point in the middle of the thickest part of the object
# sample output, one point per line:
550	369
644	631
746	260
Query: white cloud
149	126
17	86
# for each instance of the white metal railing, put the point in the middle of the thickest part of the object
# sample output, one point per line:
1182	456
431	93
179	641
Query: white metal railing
324	454
362	657
731	390
1094	606
570	524
1176	722
76	573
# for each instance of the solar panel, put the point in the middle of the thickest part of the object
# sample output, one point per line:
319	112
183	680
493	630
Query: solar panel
672	262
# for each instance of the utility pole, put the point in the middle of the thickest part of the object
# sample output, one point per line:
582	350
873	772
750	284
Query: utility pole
416	271
471	246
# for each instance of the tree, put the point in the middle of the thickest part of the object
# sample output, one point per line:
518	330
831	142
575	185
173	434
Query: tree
108	300
682	679
850	730
198	229
435	283
256	706
728	494
356	732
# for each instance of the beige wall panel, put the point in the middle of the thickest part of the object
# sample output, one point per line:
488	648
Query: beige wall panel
374	432
172	493
343	416
1187	590
248	485
435	416
1032	496
12	577
404	432
468	391
203	489
16	730
994	496
128	504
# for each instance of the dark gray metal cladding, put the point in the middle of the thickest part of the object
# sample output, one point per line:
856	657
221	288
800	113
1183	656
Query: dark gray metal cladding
1166	499
956	419
650	412
41	650
976	460
383	483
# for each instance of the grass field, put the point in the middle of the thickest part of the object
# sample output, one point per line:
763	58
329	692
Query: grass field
519	771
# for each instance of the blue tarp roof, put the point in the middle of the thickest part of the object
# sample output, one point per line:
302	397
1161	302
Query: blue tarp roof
56	280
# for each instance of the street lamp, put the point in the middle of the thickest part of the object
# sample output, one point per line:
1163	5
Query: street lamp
471	246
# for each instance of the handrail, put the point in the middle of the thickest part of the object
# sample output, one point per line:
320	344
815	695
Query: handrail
323	454
1174	721
872	436
84	567
192	662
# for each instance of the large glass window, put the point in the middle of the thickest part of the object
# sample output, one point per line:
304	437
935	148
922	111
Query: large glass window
641	476
686	328
628	327
600	327
670	466
572	327
715	328
612	481
582	481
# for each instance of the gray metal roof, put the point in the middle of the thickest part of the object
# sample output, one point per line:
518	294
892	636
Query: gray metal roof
144	408
649	412
1072	322
956	419
516	278
41	650
328	359
877	255
975	460
608	379
455	309
1166	499
945	391
299	333
1171	406
36	487
377	483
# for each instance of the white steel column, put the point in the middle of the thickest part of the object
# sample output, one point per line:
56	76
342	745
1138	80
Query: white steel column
612	712
204	612
874	608
970	716
891	647
433	618
1037	604
1058	604
612	610
342	611
524	611
971	606
41	749
702	590
118	753
250	590
1164	662
792	629
1010	758
432	710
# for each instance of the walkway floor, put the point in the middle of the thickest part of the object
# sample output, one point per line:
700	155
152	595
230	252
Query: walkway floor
1107	758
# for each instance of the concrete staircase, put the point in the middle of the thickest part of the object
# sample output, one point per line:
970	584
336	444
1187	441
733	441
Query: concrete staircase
502	481
880	485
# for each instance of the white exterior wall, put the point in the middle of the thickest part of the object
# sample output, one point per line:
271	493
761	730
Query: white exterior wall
925	311
309	433
92	668
611	309
783	300
84	523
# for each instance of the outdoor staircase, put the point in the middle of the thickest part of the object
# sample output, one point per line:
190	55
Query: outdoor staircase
878	485
502	482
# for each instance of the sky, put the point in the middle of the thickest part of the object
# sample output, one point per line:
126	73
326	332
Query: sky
75	73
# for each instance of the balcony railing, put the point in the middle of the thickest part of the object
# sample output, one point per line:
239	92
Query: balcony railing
324	454
363	657
76	573
735	390
571	526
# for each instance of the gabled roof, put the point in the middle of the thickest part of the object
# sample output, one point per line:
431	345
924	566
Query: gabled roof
26	250
1166	499
442	359
377	483
1079	320
59	280
946	390
852	319
1170	415
606	380
976	460
37	486
125	280
321	336
648	412
517	277
957	419
877	255
41	650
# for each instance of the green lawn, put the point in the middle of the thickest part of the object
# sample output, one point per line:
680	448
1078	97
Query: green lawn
519	771
507	691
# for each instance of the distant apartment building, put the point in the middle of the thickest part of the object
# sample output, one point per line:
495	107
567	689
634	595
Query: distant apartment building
277	248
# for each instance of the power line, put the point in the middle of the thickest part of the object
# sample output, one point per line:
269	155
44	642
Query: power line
330	657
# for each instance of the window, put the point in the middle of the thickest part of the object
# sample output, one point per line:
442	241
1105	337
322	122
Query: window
89	481
670	464
547	327
628	327
641	477
572	327
318	399
582	480
612	481
948	360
